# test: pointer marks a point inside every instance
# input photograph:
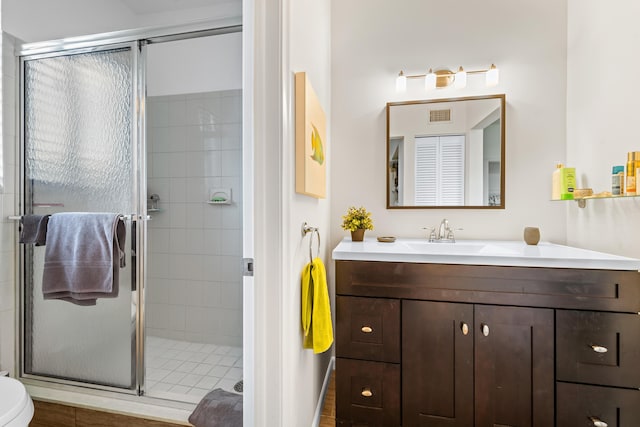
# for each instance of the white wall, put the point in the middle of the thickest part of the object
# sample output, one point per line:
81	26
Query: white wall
603	101
308	47
373	39
206	64
40	20
219	10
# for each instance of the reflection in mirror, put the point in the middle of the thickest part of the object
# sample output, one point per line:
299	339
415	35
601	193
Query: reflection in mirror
446	153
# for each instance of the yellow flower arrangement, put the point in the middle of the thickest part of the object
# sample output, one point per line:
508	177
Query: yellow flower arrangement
357	218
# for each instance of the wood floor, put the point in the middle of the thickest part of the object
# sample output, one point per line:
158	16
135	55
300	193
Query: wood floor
54	415
328	417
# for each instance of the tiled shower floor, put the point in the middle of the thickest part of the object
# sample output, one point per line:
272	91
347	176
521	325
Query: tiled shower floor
186	371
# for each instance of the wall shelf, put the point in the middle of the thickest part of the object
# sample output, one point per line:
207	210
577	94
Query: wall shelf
582	201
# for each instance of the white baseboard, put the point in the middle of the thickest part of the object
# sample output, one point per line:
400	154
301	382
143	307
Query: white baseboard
323	393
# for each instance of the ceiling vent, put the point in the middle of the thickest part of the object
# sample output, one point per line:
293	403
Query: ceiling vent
438	116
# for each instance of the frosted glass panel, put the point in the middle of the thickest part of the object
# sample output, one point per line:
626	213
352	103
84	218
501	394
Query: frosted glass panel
78	116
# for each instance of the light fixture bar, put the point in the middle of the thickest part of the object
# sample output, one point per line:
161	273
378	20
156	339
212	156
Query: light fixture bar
446	77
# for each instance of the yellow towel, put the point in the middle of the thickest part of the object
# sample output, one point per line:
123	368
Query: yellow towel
316	310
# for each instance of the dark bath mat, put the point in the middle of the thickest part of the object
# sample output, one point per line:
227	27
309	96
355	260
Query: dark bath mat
219	408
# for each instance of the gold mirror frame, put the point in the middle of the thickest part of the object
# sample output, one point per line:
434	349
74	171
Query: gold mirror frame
502	114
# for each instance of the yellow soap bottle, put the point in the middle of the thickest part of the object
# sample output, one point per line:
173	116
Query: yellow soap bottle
630	183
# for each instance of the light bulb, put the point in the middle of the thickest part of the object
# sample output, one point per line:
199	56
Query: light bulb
460	80
401	82
493	76
430	80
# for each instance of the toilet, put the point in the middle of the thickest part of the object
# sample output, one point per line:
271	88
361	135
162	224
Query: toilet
16	407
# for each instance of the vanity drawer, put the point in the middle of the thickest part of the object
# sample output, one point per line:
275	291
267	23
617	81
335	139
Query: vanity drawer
368	393
598	348
368	328
583	405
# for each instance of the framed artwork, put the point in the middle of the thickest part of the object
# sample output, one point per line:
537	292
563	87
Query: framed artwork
311	140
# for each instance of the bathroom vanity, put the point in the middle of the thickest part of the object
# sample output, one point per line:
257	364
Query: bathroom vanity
485	334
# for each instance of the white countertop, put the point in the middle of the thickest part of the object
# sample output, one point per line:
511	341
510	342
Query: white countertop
481	252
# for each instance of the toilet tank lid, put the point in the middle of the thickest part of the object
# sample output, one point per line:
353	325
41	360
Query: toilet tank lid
13	399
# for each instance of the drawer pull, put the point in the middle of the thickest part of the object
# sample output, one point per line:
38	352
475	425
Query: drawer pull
485	330
366	329
465	328
597	422
366	392
599	349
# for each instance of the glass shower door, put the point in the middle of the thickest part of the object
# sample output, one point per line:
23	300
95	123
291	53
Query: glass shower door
79	155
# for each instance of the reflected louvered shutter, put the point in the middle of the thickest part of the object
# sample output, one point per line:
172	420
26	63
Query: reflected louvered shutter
426	171
440	171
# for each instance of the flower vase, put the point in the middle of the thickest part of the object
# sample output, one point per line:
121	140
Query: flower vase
357	235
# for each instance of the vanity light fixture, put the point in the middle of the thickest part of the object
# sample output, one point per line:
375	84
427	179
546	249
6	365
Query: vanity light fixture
445	78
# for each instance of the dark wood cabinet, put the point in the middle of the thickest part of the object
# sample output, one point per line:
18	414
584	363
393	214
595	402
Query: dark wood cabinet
459	346
514	363
437	364
465	364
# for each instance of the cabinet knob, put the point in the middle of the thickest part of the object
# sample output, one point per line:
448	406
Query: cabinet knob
597	422
599	348
366	392
465	328
366	329
485	330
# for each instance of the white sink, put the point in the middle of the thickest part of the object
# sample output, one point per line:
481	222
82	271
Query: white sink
446	248
481	252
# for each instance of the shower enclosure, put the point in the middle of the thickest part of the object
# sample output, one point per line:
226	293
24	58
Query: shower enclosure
94	140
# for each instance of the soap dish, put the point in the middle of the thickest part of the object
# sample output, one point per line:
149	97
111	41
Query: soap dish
386	239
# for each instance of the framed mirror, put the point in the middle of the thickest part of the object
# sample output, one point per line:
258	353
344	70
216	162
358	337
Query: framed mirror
446	153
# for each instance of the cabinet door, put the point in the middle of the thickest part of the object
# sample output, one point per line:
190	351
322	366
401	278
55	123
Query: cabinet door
514	363
437	364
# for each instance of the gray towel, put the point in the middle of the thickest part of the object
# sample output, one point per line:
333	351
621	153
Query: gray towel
218	408
34	229
83	255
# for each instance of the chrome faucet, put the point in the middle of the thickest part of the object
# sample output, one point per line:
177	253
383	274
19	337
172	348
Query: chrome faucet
444	233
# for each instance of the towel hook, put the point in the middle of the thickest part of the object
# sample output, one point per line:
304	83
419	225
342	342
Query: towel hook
313	230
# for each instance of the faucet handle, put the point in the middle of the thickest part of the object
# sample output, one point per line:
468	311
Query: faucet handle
450	235
432	233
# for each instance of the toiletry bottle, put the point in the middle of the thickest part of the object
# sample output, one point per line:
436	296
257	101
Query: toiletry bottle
567	183
630	185
556	182
636	166
617	180
563	182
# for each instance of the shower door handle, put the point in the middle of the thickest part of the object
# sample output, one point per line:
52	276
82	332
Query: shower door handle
134	285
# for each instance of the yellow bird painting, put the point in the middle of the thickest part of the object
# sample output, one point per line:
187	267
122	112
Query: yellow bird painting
316	146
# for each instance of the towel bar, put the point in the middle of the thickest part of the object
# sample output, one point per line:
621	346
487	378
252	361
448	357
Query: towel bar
131	217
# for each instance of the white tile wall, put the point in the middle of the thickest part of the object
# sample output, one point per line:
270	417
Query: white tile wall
7	207
194	288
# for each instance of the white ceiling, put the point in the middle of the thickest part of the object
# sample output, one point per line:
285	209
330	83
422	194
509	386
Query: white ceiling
140	7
